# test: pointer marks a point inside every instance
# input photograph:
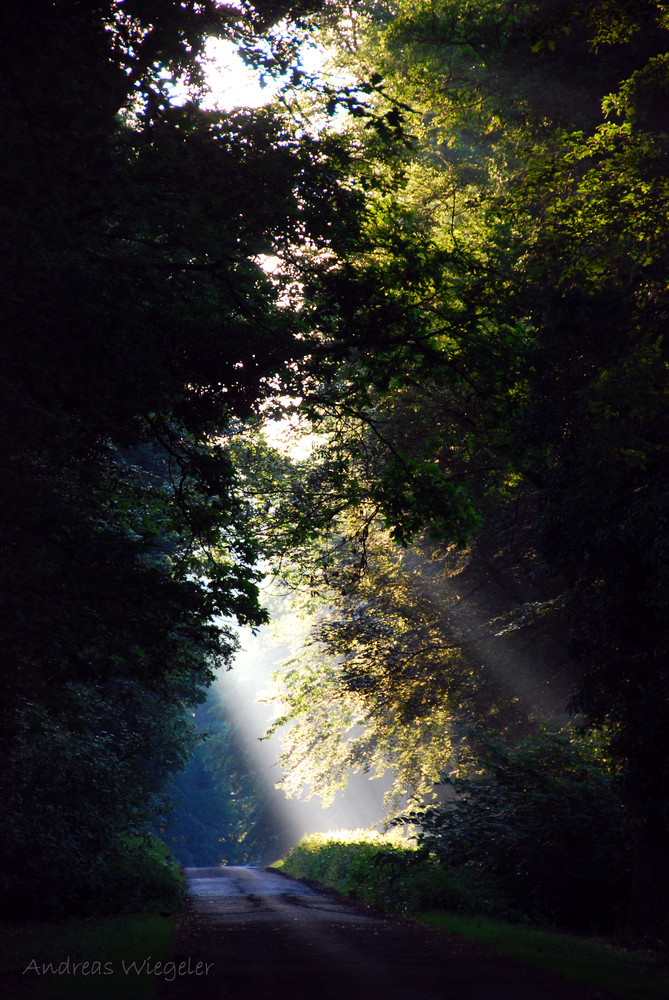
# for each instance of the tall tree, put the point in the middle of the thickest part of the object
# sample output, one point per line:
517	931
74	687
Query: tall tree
523	269
137	325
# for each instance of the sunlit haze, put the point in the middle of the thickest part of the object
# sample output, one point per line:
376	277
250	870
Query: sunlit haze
233	84
244	692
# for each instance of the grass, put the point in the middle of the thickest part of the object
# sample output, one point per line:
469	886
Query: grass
390	875
630	975
111	942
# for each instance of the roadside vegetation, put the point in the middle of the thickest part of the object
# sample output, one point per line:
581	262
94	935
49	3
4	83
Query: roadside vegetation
110	944
390	874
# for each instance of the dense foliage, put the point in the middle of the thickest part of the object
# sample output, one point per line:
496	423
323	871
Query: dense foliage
529	833
382	871
509	355
137	325
466	308
541	824
532	832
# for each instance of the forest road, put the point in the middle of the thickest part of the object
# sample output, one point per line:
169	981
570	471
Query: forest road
254	934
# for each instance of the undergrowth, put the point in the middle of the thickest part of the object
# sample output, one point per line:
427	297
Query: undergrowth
387	872
46	961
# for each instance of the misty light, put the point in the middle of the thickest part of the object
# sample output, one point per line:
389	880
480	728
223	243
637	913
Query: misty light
233	84
247	693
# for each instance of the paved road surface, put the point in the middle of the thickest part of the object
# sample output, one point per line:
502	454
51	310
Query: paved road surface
258	935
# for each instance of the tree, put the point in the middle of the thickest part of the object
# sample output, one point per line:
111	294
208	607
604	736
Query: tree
538	824
603	424
138	326
537	304
219	807
468	305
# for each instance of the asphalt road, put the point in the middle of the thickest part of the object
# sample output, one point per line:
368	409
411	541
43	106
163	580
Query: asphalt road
258	935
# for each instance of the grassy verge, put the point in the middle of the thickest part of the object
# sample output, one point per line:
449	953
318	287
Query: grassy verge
626	974
109	944
391	876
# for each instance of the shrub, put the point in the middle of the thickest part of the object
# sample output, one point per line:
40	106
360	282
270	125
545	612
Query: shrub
388	873
142	876
542	824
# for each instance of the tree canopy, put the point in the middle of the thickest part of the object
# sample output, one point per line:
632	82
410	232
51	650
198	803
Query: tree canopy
509	312
467	210
138	327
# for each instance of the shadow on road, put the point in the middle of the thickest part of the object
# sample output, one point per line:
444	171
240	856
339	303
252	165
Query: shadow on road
257	935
